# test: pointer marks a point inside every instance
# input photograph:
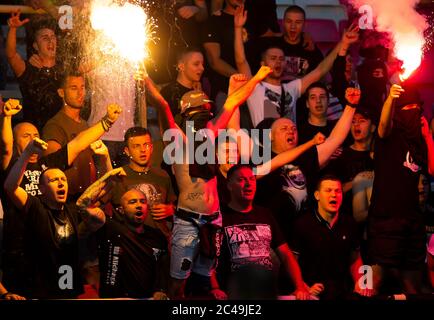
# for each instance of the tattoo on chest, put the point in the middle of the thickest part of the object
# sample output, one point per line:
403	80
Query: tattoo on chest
195	196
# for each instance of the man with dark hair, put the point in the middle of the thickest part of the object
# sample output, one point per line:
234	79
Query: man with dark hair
317	100
67	124
133	255
273	98
53	227
396	230
38	86
152	181
326	242
249	233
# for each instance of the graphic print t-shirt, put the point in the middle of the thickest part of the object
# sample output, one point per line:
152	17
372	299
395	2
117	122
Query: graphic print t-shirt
247	239
286	190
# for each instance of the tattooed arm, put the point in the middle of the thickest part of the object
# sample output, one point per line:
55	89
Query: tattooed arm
94	217
97	189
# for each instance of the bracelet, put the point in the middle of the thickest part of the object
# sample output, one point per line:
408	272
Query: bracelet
352	105
106	123
5	294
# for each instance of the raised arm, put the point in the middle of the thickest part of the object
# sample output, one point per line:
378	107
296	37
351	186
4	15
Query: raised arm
213	55
8	109
98	189
155	94
198	11
15	60
426	134
341	129
92	134
100	149
386	119
240	19
349	37
12	184
89	203
287	156
236	97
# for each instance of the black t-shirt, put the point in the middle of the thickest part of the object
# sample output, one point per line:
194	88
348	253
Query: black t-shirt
14	227
173	93
307	131
261	16
220	29
350	163
286	190
395	191
247	239
346	167
224	194
52	243
325	252
40	98
131	264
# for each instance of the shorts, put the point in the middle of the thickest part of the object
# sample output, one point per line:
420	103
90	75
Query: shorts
185	256
397	242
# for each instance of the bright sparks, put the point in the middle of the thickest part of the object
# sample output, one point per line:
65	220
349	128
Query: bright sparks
409	49
126	28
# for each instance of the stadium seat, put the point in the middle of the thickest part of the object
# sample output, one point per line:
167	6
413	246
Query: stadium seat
331	12
324	33
322	30
304	3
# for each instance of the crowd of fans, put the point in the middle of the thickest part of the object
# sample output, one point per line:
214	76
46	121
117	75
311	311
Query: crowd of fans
341	208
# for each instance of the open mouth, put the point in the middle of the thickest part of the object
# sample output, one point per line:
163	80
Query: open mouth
61	192
290	140
333	202
357	131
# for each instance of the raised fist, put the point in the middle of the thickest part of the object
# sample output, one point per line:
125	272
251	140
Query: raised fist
11	107
113	112
263	72
319	138
99	148
353	95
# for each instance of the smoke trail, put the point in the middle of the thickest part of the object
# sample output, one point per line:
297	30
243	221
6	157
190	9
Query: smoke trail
406	26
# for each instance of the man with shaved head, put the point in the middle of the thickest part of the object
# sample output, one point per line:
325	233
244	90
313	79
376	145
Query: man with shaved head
12	144
53	227
133	254
287	188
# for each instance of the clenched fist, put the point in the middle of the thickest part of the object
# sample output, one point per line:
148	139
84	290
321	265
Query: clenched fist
113	112
395	91
353	95
11	107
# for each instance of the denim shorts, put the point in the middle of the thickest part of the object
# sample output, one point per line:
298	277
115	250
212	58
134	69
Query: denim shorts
185	256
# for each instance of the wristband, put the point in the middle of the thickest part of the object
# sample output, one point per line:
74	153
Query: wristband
352	105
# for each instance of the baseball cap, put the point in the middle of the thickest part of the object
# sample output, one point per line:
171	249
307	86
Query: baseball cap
192	99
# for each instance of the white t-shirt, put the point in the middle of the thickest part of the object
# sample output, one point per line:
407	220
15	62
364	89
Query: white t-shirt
265	101
113	83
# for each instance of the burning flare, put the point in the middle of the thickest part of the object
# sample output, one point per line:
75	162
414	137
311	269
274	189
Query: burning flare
125	26
405	24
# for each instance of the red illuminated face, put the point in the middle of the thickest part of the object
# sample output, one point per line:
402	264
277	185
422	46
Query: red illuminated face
329	196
